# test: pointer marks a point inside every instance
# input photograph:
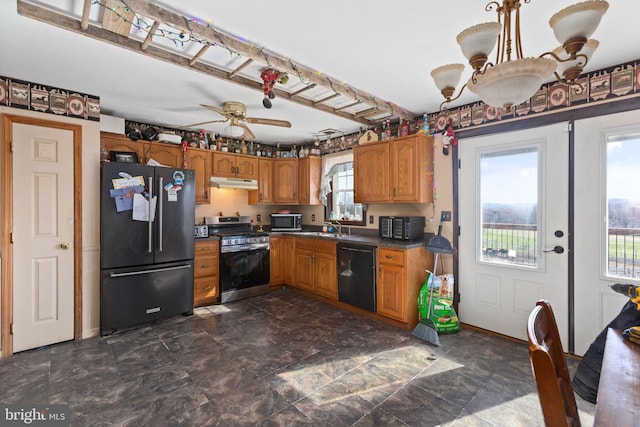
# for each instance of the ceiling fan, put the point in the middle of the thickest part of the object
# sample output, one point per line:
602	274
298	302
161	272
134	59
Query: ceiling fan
236	113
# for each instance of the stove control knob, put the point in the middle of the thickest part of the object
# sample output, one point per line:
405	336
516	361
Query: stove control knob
235	242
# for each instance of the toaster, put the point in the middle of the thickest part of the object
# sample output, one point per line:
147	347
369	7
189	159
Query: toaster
201	231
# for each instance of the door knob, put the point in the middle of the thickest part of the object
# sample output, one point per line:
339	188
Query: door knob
64	245
556	249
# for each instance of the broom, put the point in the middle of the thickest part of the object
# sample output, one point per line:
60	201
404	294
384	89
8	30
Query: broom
426	329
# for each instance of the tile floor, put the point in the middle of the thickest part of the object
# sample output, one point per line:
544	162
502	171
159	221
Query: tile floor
280	360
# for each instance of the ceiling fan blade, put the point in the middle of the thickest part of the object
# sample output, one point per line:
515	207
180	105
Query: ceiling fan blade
248	135
216	109
272	122
204	123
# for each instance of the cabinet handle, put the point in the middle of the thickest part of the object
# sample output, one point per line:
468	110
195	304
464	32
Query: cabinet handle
390	257
206	288
206	266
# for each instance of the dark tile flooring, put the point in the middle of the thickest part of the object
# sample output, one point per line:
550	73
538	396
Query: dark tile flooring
280	360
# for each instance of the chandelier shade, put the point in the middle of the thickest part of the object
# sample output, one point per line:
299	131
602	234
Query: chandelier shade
590	46
479	39
447	75
579	20
513	82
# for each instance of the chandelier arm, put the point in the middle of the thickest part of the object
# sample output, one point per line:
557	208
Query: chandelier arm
448	100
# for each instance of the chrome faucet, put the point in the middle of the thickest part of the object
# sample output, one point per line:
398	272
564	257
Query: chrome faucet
335	223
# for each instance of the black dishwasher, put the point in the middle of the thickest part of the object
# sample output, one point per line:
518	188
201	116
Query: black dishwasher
356	275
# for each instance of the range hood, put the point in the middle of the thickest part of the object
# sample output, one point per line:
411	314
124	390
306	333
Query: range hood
247	184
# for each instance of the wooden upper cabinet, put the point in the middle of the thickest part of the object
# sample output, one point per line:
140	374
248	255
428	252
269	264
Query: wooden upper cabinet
285	180
309	180
231	165
165	154
396	170
264	193
115	142
200	161
371	173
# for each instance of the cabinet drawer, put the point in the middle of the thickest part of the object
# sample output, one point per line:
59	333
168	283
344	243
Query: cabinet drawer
391	256
207	247
316	245
206	266
205	289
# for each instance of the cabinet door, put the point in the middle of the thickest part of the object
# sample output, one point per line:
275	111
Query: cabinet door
276	257
305	276
224	165
405	168
200	161
285	179
309	180
391	292
265	180
112	142
326	275
288	263
165	154
246	167
205	290
371	173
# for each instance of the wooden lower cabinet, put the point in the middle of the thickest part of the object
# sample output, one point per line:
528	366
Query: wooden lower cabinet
288	264
276	260
401	274
316	267
206	283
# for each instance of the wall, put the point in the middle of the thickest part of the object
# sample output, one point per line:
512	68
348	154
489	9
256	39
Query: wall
90	214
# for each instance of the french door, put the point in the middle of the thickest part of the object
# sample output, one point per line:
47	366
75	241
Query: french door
513	199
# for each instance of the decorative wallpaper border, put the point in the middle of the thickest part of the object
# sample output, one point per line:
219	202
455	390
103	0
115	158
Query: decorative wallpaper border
606	84
48	99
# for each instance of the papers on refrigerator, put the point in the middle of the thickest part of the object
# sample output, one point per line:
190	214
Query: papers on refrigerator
141	208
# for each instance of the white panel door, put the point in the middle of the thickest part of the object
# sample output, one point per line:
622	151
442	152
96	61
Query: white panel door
513	206
607	227
43	196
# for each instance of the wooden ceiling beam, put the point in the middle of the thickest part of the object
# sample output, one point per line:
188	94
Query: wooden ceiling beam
304	89
344	107
71	24
270	59
240	68
198	55
323	100
86	8
147	40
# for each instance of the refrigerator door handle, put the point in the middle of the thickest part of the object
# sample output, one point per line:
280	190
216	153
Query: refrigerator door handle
149	222
160	210
155	270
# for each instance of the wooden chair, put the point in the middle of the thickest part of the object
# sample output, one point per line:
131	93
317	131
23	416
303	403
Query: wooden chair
550	368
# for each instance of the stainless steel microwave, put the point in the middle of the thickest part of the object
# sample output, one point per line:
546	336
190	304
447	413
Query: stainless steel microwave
286	222
401	227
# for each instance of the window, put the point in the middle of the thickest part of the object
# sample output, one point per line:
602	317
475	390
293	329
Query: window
509	201
337	189
623	205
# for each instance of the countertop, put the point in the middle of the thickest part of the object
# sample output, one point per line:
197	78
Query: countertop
366	240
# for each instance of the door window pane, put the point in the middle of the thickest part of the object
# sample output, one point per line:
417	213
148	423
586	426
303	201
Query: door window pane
623	204
509	206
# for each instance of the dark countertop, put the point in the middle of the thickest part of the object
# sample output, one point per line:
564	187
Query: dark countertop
356	238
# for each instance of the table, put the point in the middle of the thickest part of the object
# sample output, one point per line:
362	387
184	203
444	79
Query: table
618	401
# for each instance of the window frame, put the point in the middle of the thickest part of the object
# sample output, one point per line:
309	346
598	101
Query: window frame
329	208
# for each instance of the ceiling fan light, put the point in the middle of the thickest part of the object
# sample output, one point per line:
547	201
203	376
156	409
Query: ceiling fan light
578	20
588	50
447	76
233	131
512	83
479	39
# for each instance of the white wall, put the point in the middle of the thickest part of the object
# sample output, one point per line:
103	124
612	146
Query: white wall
90	214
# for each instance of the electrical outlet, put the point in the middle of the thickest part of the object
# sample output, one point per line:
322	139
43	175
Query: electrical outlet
258	217
313	217
370	219
445	216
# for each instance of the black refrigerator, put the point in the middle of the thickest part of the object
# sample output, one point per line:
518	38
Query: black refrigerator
147	244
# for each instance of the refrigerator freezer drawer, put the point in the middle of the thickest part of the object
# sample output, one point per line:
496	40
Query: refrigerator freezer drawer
131	296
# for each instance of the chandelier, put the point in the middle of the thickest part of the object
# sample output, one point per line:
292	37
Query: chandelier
513	79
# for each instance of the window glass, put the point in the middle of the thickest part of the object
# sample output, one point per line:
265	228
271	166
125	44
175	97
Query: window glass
342	200
509	206
623	205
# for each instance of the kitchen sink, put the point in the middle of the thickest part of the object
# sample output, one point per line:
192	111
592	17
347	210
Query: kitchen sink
318	234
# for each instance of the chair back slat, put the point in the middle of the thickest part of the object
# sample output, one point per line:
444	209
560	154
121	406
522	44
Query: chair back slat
550	368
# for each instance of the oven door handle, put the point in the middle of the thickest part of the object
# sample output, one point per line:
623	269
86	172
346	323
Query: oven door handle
244	248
